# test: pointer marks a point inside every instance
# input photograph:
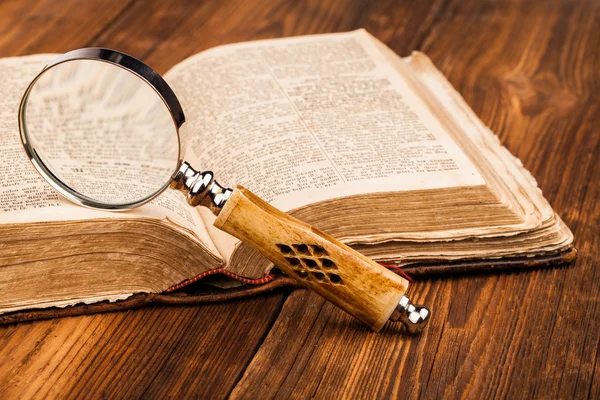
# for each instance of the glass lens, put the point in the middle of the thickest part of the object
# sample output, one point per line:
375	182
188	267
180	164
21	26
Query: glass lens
101	131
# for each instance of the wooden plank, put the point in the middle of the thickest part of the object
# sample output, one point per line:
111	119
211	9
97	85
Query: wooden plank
536	85
49	26
527	69
213	353
129	354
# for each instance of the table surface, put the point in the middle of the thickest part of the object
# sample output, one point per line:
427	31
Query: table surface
529	69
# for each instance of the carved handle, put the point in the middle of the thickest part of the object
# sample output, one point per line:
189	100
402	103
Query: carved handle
343	276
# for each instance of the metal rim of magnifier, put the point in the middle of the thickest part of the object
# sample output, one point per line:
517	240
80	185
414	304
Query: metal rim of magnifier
131	65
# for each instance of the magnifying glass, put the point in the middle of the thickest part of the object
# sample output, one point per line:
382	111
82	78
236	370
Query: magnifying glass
103	129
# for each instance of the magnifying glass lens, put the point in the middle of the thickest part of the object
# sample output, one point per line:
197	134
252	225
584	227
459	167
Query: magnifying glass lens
100	133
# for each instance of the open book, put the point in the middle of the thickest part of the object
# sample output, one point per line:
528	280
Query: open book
377	150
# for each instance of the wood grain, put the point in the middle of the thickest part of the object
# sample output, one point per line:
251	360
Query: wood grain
529	69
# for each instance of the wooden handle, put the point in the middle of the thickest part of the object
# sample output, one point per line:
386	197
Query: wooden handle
343	276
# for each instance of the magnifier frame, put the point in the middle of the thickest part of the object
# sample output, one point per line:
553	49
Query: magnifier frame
131	65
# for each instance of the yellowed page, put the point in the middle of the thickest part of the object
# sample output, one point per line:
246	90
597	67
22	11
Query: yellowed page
311	118
26	197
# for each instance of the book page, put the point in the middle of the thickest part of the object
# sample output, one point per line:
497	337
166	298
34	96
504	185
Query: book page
307	119
26	197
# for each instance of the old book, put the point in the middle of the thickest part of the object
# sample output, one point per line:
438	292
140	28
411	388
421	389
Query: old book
377	150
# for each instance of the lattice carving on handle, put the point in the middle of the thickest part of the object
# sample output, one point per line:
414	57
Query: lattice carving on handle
311	262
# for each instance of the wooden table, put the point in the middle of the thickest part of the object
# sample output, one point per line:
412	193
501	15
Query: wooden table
531	71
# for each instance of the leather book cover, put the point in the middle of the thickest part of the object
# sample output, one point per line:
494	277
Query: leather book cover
199	292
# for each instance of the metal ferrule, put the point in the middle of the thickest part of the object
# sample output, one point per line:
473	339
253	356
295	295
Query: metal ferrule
201	188
413	317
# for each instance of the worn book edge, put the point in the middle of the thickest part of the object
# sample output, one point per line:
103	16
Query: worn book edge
195	293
